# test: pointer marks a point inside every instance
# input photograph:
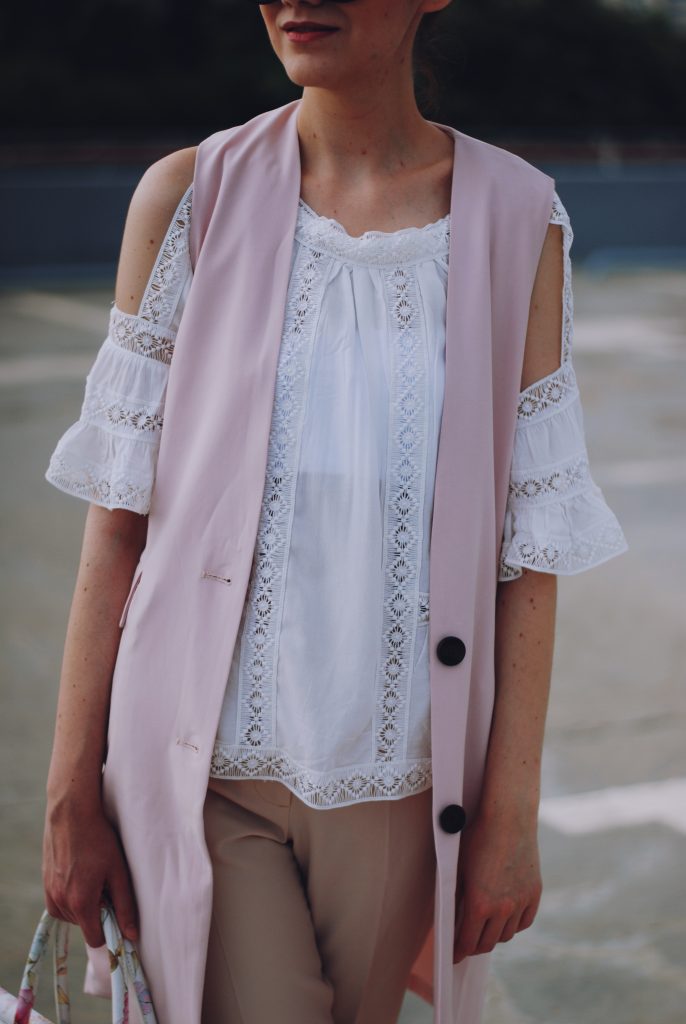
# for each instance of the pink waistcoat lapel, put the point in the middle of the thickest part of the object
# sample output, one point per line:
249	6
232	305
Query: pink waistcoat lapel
181	624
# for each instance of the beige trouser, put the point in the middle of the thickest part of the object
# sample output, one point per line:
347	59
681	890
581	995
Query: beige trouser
318	913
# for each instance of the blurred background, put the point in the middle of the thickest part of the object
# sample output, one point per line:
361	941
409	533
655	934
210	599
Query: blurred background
594	93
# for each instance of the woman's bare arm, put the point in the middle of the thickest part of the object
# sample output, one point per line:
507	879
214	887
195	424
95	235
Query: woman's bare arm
499	882
80	852
112	543
526	606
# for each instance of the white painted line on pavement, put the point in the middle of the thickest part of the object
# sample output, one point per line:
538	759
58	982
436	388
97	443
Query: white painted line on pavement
598	810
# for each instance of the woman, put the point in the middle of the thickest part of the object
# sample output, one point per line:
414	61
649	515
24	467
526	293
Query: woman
327	811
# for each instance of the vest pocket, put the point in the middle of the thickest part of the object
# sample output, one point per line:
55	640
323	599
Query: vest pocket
132	590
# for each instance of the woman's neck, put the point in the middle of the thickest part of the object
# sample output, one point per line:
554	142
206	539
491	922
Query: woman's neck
358	140
374	166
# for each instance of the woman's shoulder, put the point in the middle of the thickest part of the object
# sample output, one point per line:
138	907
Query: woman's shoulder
153	204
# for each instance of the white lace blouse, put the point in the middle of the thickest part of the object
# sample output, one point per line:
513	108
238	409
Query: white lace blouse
317	695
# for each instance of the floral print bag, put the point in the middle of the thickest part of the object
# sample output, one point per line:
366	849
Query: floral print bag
125	966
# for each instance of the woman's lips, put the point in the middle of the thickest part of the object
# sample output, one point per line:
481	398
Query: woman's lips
308	35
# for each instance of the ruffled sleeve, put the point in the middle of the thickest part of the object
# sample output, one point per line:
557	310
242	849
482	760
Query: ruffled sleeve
556	519
109	455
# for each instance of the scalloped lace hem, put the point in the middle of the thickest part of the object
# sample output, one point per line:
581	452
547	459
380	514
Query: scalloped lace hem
336	788
601	542
96	484
373	248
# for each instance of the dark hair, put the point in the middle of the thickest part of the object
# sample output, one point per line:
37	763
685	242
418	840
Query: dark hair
426	55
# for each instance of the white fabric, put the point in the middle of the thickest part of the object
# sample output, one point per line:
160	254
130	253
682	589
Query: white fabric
317	696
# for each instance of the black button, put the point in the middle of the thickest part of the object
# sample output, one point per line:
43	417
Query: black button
450	650
452	818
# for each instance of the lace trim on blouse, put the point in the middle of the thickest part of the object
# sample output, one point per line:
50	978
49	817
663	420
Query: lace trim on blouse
167	277
138	335
323	789
375	248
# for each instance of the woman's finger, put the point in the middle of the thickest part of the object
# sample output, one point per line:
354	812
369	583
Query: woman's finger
123	900
528	915
490	934
472	921
510	928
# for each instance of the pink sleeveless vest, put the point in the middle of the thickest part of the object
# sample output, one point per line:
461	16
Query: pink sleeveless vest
181	616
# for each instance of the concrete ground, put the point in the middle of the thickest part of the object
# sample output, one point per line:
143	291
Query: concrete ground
608	945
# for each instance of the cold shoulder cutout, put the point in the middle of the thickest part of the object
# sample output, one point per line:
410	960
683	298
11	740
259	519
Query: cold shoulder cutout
109	455
557	519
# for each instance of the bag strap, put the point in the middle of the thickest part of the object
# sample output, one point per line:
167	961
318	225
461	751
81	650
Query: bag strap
125	966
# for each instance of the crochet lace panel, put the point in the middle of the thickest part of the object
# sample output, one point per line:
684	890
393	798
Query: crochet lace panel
154	341
403	511
531	489
167	277
405	607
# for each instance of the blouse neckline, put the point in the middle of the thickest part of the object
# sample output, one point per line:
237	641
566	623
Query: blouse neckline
405	245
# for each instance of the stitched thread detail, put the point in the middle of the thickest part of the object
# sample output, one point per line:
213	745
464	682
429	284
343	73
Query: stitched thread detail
323	789
214	576
186	743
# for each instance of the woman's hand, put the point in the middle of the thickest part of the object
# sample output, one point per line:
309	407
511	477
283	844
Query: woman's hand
82	856
81	851
498	873
498	884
